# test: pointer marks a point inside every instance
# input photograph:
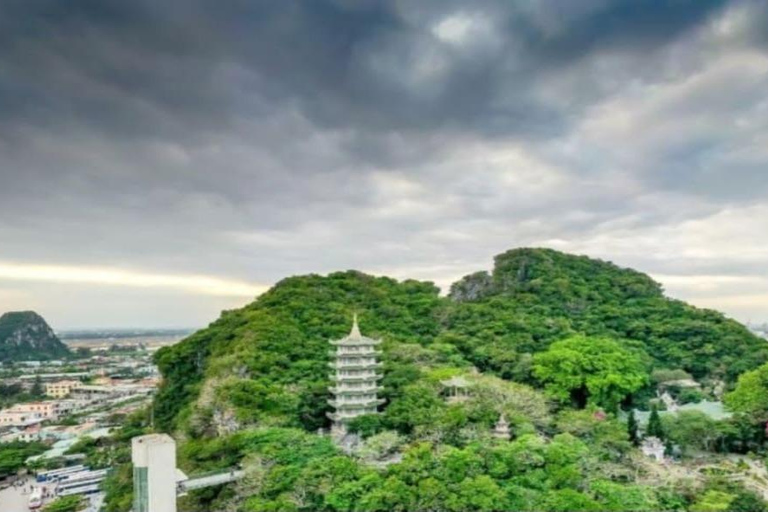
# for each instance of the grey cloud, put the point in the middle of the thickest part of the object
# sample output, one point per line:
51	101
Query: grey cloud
149	69
254	139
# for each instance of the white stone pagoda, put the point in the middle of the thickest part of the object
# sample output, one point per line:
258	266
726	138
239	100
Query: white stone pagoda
501	429
355	379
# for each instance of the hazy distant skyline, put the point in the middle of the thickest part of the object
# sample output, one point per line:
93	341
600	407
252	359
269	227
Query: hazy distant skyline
162	161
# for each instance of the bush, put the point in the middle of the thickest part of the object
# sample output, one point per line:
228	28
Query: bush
65	504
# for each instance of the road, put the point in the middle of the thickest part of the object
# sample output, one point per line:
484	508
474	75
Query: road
14	499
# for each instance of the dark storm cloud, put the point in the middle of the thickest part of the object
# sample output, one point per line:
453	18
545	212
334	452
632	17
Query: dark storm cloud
145	68
255	139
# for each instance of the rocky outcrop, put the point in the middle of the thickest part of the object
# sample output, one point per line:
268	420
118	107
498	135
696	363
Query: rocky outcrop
472	287
26	336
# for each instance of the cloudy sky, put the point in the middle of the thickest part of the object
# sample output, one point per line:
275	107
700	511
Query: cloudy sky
162	161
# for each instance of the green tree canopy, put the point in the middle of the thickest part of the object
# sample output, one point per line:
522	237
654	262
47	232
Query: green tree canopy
72	503
751	394
594	370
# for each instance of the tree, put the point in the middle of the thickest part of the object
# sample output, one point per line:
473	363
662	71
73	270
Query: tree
654	428
13	455
691	429
747	501
632	428
37	388
598	371
751	394
71	503
713	501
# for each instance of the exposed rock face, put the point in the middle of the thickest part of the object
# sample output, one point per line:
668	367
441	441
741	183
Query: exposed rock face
472	287
25	336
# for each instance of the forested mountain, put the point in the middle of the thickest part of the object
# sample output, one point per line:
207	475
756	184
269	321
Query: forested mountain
493	321
25	335
534	296
545	338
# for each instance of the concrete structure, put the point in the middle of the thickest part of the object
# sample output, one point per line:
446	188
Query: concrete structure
224	477
62	388
355	379
156	479
51	377
29	433
653	447
25	414
14	417
154	473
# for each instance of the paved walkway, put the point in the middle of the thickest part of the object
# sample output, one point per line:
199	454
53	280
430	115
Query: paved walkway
14	499
210	480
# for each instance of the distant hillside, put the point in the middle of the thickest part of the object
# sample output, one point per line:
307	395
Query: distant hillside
25	336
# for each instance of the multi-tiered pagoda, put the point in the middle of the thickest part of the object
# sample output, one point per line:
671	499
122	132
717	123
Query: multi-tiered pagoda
355	379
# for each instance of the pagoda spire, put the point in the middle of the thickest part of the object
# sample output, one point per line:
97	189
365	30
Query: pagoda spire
355	332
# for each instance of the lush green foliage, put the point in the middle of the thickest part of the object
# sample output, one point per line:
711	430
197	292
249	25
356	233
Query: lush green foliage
11	394
598	371
278	346
751	394
633	428
655	428
24	335
292	470
13	455
535	296
586	331
72	503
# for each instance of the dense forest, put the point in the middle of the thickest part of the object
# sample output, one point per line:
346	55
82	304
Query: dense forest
561	345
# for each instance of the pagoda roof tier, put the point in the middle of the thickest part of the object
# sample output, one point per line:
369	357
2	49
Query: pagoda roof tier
362	404
360	391
353	366
340	418
335	353
356	342
355	378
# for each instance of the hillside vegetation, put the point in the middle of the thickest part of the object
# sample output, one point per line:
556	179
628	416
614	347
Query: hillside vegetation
548	339
25	335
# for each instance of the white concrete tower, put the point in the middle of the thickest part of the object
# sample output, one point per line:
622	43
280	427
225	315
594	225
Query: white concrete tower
355	378
154	473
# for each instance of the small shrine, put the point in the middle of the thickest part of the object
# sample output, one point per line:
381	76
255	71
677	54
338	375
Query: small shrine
501	429
457	389
653	447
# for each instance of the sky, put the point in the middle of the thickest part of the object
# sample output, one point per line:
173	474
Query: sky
163	161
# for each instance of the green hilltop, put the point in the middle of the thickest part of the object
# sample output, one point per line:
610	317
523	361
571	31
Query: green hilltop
494	321
549	340
25	336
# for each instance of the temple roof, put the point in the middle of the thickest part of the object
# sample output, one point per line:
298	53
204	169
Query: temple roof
355	337
455	382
